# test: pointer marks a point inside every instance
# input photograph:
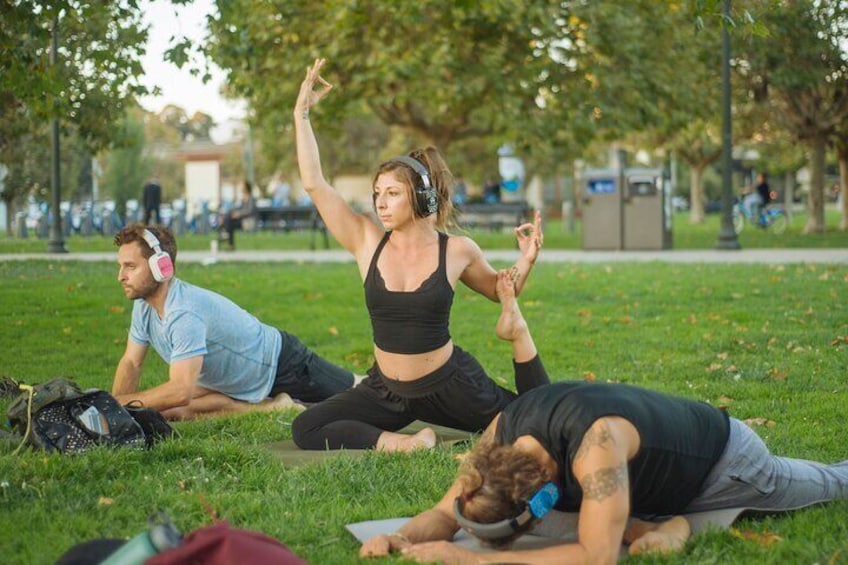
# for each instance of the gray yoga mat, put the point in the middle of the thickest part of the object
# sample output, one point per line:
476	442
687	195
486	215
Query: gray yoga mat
555	529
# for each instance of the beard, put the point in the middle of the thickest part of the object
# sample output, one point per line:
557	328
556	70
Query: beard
143	291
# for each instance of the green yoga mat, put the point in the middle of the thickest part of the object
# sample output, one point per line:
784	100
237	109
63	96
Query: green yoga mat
292	456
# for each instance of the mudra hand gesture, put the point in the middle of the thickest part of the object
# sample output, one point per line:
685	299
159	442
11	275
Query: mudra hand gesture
308	95
530	237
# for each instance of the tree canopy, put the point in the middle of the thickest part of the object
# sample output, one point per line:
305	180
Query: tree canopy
86	83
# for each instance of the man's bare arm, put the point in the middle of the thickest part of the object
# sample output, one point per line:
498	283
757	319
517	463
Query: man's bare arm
178	391
128	372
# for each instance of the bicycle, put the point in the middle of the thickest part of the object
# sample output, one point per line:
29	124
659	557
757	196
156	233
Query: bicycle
771	217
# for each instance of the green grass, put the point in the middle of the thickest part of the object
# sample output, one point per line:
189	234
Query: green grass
767	341
557	236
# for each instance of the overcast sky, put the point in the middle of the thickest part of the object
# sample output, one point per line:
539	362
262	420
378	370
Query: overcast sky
179	87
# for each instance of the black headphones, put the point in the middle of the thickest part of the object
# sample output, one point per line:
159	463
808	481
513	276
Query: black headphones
161	264
539	504
426	201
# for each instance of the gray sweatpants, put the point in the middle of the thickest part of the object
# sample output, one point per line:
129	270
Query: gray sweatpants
747	475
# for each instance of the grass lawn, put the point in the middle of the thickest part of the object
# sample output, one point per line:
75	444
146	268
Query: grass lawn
768	342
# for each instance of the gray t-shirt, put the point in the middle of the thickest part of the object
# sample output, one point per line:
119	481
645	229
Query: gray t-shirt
240	353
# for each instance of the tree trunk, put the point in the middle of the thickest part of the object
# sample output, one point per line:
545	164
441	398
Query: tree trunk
843	189
696	195
815	198
789	192
9	216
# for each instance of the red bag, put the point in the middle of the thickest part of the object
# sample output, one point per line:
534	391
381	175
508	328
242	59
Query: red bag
220	544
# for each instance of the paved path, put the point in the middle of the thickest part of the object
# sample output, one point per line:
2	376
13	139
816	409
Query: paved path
767	256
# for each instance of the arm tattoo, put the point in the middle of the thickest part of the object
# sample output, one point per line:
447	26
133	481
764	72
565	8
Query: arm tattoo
592	438
604	482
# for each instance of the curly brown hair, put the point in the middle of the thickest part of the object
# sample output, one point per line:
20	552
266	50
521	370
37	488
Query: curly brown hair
440	177
135	232
497	481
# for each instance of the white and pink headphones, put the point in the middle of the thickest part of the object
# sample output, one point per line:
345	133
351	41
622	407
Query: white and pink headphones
160	262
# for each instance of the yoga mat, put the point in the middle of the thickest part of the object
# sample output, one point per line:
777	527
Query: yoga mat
555	529
292	456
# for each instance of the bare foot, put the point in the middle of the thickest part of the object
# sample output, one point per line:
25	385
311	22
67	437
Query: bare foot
281	402
511	324
663	538
391	441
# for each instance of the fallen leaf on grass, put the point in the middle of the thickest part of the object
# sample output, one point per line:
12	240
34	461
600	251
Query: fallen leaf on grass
777	374
333	330
117	309
725	399
714	367
760	422
589	376
840	339
763	539
105	501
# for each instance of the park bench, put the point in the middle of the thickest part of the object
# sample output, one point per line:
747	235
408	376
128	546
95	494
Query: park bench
292	218
493	216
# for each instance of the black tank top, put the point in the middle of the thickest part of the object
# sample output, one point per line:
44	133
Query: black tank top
410	322
680	439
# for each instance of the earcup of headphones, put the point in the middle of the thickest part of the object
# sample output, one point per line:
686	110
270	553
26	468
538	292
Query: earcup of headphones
161	266
426	200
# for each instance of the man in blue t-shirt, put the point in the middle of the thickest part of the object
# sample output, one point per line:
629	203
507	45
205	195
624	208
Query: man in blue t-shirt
221	358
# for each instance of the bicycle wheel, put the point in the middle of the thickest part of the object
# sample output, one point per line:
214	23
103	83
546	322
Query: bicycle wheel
738	222
778	223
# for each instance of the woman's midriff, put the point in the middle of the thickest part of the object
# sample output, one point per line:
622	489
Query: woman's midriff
412	366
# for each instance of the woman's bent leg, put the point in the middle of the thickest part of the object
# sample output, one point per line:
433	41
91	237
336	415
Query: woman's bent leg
353	419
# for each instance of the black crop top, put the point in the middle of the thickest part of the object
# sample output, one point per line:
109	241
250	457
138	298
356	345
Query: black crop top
410	322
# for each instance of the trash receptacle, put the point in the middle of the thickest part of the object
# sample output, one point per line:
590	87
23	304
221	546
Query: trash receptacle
626	210
647	210
601	210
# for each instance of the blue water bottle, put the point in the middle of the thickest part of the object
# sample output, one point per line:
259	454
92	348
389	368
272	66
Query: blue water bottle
160	536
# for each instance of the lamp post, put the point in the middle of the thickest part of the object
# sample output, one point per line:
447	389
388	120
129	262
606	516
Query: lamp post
727	236
56	243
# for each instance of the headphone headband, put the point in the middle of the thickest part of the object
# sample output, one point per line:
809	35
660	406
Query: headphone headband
539	505
152	240
416	166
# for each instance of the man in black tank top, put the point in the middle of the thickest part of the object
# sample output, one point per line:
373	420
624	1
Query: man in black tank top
629	460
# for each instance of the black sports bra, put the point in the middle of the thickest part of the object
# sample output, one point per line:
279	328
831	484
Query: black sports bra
410	322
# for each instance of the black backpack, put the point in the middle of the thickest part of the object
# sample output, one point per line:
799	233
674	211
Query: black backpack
59	416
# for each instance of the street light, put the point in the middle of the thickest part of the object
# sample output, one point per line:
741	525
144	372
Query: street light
727	236
56	243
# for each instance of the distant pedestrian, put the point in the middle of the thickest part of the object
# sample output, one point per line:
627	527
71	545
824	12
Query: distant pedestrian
151	199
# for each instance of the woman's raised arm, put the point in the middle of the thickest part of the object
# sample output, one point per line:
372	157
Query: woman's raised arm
348	227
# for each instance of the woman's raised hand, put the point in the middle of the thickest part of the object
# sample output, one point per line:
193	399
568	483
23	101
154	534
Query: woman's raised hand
530	237
309	96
